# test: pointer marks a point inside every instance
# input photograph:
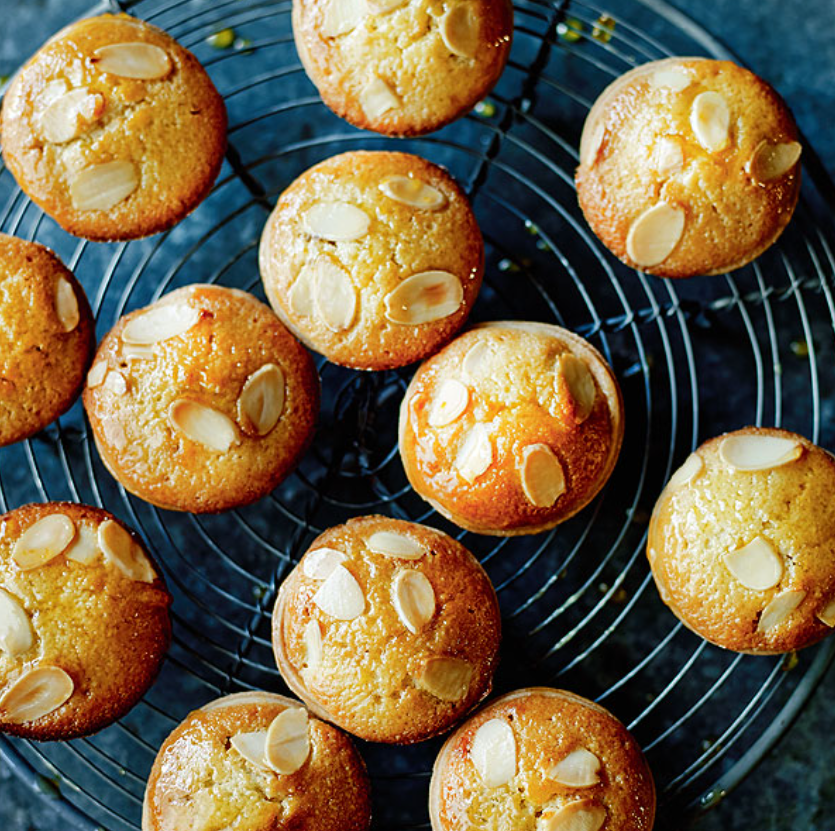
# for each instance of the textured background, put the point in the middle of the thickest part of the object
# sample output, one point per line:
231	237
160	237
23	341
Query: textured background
791	45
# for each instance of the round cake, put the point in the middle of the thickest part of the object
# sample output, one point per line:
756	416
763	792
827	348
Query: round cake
256	761
114	129
373	259
688	166
541	759
47	338
402	67
202	401
512	428
388	629
84	622
742	541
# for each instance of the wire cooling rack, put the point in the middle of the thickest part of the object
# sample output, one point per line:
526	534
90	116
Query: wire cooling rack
694	358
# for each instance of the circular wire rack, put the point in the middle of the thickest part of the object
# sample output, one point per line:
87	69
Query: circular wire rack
694	358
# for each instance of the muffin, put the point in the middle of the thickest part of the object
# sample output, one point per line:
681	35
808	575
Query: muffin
373	259
256	761
388	629
47	338
512	428
201	401
84	622
114	129
742	541
688	166
545	759
402	67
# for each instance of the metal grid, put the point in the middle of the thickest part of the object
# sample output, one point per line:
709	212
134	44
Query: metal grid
694	358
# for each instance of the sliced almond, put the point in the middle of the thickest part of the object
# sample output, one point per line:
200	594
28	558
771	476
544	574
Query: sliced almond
710	120
313	648
261	401
675	79
335	221
288	741
203	424
493	752
115	382
252	746
477	360
460	30
103	186
84	548
52	91
543	479
756	565
340	596
424	297
334	295
449	403
446	678
377	98
342	16
654	235
590	149
574	374
114	433
70	115
138	352
160	323
392	544
16	635
771	161
134	59
96	374
413	192
667	157
43	540
692	467
320	563
827	614
300	295
413	598
475	455
754	452
36	694
577	770
779	608
581	815
385	6
120	548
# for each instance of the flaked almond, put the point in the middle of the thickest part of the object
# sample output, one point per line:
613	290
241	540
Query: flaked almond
203	424
710	120
654	235
16	635
52	91
779	608
377	98
581	815
115	382
114	433
36	694
459	30
675	79
424	297
160	323
756	565
334	295
261	401
288	741
577	770
449	403
827	614
413	598
475	455
385	6
43	540
320	563
413	192
340	596
754	452
133	59
251	746
300	295
85	547
692	467
138	352
773	160
446	678
335	221
493	753
103	186
120	548
342	16
574	377
590	148
313	648
70	115
96	374
392	544
477	360
543	480
667	157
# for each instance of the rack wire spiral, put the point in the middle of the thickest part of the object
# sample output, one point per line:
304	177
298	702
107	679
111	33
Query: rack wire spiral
694	358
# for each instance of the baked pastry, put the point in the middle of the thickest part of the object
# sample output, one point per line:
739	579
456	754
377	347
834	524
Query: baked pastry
47	338
402	67
742	541
114	129
688	166
542	758
373	259
84	622
512	428
255	761
201	401
388	629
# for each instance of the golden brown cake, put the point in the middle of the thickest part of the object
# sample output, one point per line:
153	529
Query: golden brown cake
47	337
512	428
742	541
388	629
202	401
84	621
373	259
540	759
688	166
256	761
402	67
114	129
